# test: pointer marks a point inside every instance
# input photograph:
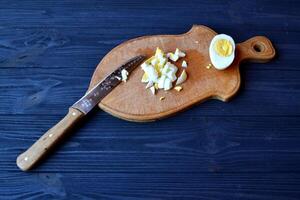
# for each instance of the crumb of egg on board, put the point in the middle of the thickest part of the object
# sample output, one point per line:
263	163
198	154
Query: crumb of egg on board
178	88
161	98
208	66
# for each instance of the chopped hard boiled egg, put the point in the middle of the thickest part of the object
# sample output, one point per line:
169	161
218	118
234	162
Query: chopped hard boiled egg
221	51
184	64
149	84
159	73
176	55
181	78
145	78
152	89
179	53
173	57
150	72
161	82
167	84
124	74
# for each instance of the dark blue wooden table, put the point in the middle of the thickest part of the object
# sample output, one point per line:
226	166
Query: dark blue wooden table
248	148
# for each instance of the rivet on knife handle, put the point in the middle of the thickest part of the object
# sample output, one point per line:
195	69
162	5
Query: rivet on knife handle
41	147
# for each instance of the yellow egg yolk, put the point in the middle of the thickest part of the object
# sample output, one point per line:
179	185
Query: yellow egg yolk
223	47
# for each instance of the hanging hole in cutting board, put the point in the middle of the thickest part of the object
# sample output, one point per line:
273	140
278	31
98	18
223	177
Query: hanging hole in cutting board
258	47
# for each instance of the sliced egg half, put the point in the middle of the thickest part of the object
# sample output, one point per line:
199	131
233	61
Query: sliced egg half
222	51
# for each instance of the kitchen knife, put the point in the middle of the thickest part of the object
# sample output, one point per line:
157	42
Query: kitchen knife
41	147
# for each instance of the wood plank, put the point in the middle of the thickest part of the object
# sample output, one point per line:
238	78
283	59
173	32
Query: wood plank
50	91
236	144
167	186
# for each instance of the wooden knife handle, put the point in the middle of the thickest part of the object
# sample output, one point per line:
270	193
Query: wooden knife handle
40	148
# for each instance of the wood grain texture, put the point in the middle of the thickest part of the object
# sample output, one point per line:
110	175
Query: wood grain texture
246	149
34	154
131	101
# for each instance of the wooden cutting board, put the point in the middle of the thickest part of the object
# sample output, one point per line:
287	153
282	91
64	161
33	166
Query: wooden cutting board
131	101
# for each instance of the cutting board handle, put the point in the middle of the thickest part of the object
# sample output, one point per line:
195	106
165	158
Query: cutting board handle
256	49
41	147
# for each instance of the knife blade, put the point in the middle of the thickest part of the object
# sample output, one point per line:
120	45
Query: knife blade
99	91
42	146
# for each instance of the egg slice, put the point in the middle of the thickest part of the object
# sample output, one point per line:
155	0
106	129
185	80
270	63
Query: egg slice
222	51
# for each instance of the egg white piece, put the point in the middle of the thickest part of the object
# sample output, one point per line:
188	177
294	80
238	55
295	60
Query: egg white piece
152	89
171	67
179	53
165	69
124	74
149	84
154	61
145	78
181	78
220	62
184	64
171	75
151	72
161	82
167	84
173	57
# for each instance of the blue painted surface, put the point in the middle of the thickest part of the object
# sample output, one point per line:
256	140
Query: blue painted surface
246	149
